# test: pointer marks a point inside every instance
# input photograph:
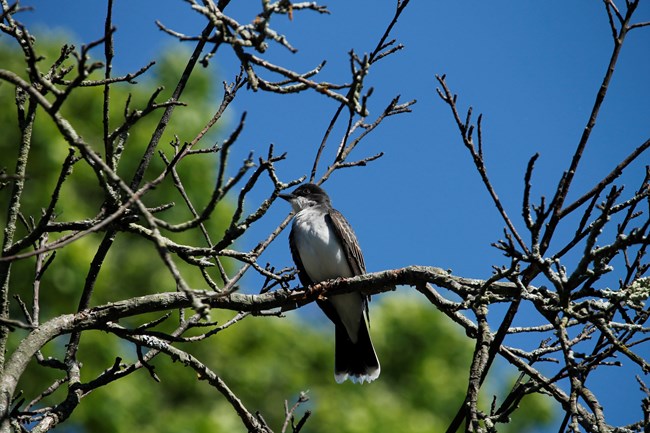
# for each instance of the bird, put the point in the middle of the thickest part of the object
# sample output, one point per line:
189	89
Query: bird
324	247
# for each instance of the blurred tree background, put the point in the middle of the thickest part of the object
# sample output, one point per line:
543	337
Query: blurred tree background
265	361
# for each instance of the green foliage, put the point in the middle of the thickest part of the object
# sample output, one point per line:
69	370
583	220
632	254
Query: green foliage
82	196
133	266
266	361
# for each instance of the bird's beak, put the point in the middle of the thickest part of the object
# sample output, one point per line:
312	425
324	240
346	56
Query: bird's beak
287	197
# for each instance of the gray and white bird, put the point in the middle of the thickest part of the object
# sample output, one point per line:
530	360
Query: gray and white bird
324	247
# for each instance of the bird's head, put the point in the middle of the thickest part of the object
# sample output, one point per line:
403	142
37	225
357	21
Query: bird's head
306	196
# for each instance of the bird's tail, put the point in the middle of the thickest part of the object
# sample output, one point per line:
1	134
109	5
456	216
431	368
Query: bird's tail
356	361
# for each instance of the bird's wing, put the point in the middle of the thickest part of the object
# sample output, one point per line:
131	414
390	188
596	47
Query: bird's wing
351	249
348	241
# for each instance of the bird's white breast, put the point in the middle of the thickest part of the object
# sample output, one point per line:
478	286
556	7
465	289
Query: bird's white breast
323	259
320	251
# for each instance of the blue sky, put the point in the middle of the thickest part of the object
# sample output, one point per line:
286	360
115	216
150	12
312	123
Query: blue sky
532	69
